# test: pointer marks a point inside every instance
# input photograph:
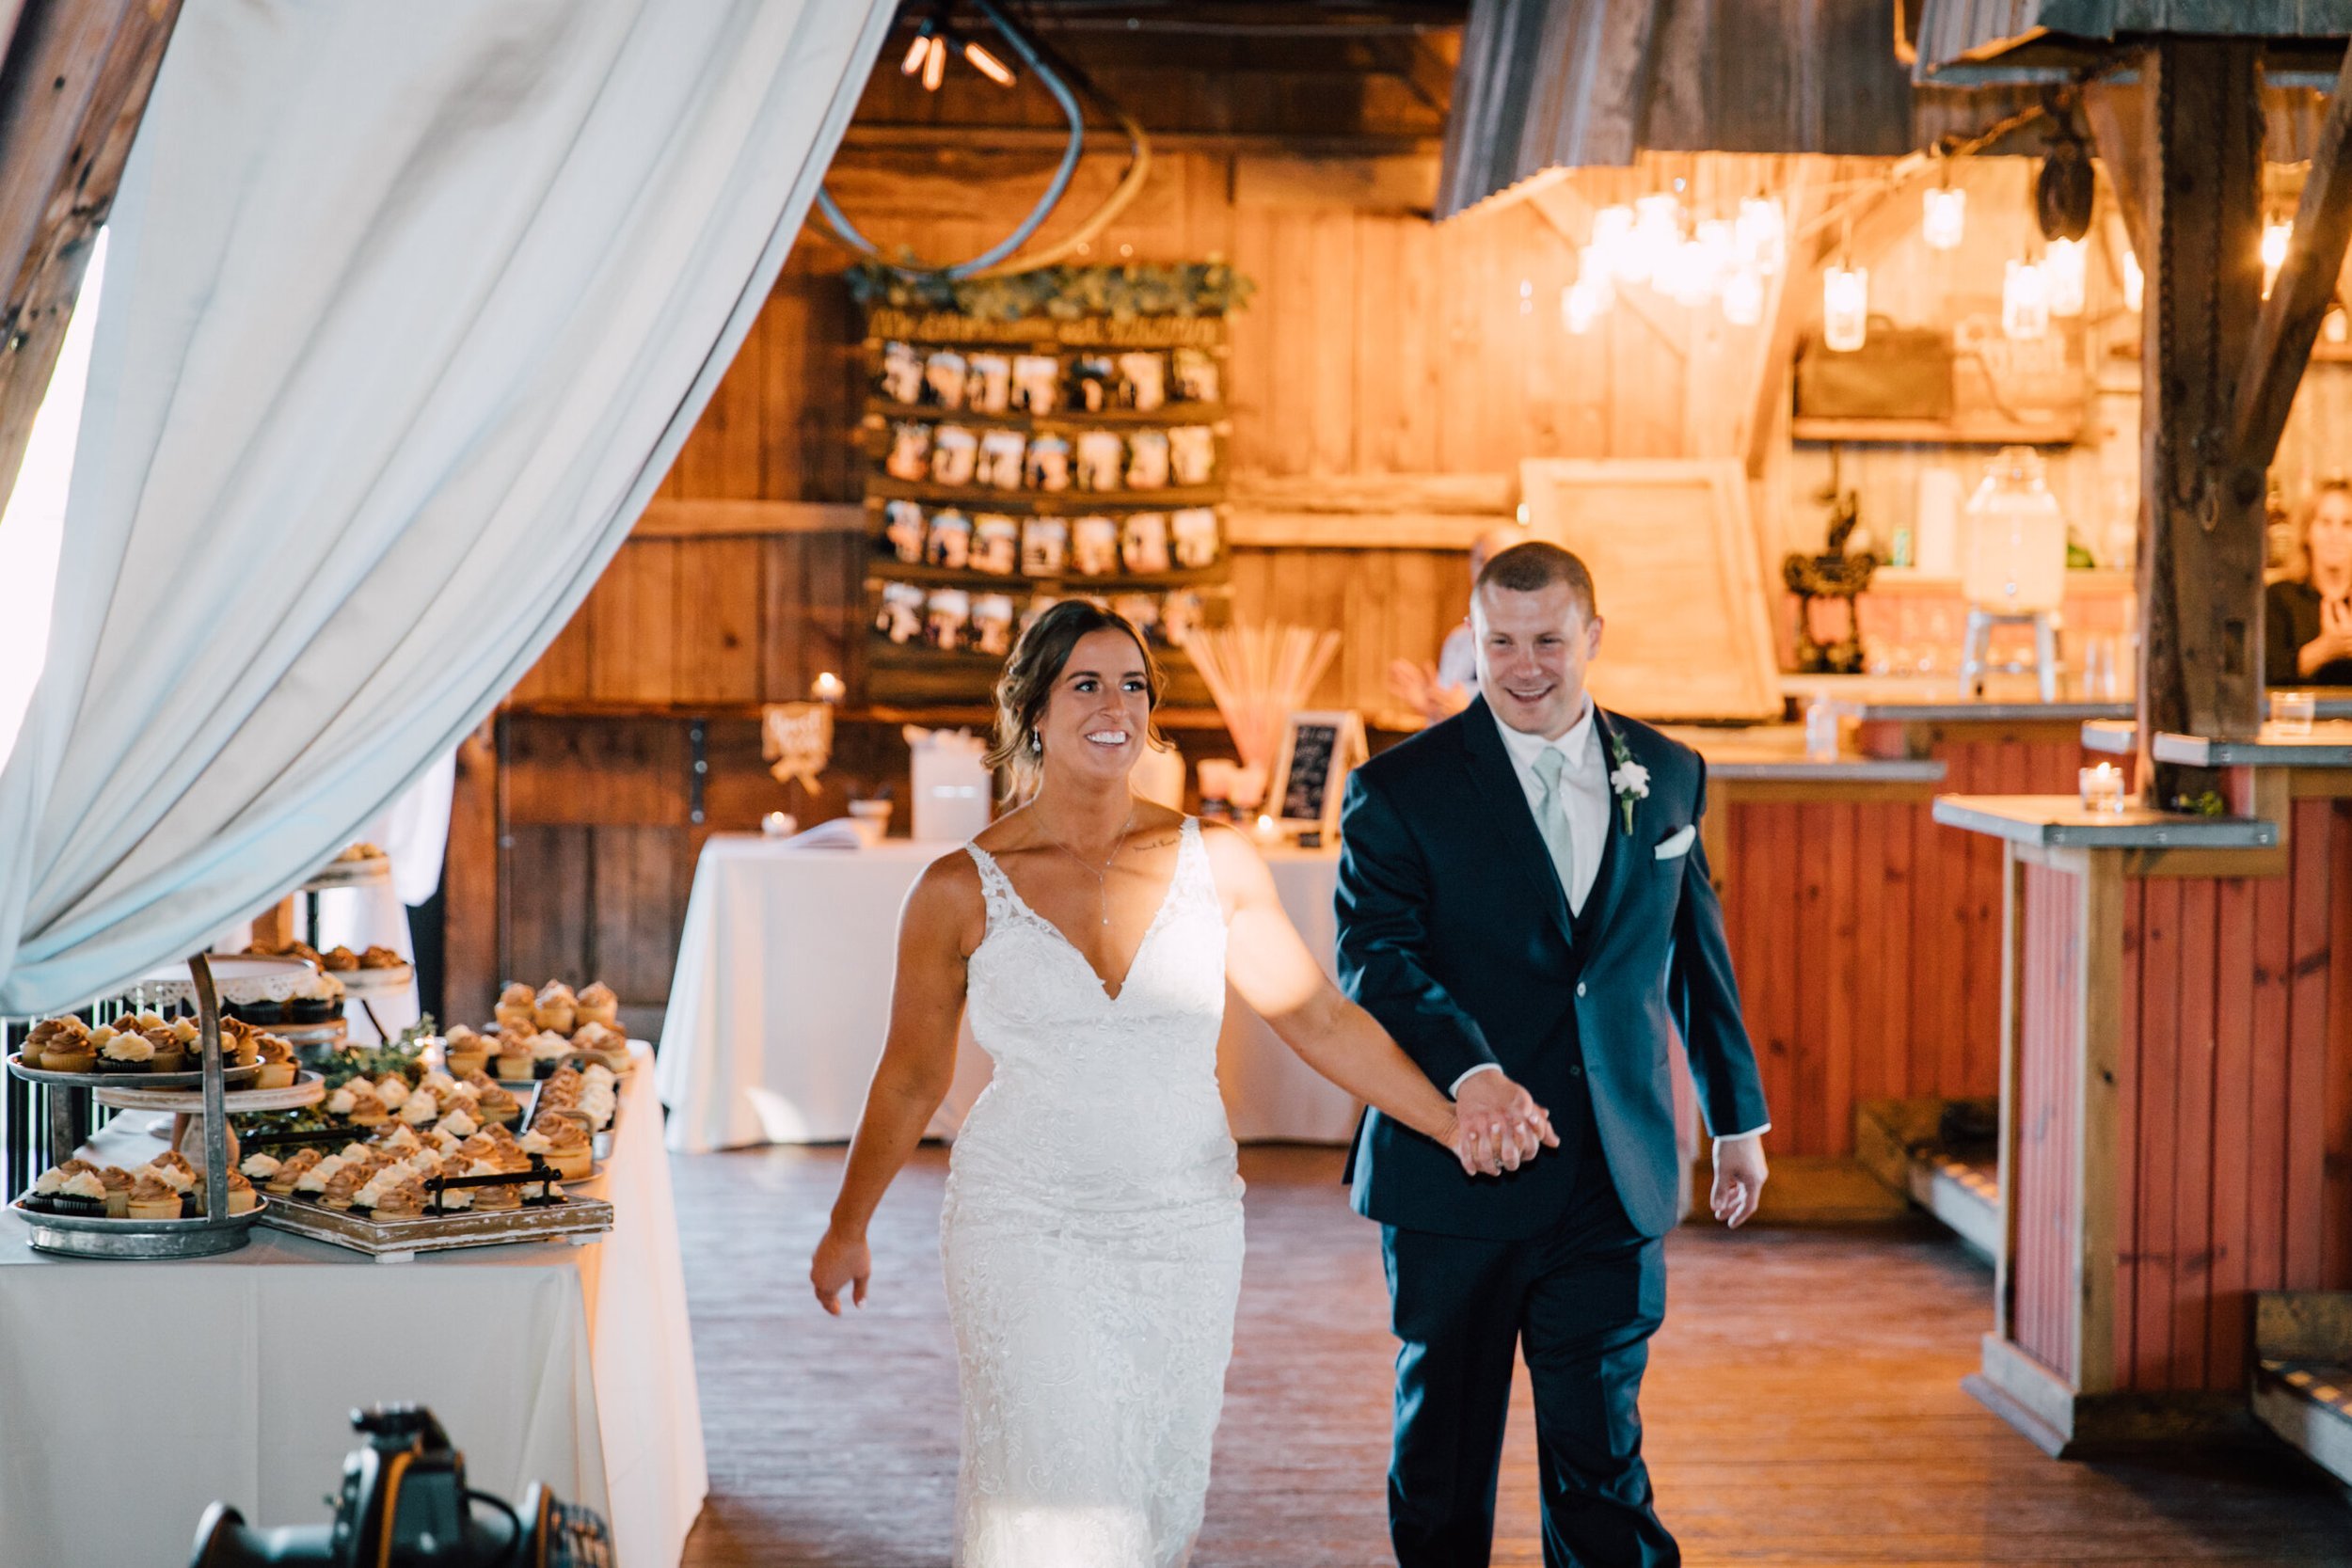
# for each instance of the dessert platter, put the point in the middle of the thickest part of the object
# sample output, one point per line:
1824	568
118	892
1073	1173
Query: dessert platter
171	1207
357	866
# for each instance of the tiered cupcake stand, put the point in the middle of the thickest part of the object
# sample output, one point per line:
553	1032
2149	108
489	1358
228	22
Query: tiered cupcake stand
206	1094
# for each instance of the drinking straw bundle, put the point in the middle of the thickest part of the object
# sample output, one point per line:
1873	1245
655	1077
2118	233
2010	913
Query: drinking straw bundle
1258	676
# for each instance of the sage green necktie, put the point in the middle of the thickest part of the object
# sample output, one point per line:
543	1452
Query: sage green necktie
1551	820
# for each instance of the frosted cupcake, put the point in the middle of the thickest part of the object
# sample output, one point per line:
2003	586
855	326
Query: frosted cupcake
62	1190
598	1004
123	1053
464	1054
562	1142
242	1197
61	1045
296	1166
260	1167
172	1053
514	1055
118	1183
393	1089
421	1109
459	1125
151	1199
518	1008
556	1008
278	1063
366	1109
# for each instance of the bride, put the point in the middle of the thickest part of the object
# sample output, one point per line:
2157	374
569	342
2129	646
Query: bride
1093	1226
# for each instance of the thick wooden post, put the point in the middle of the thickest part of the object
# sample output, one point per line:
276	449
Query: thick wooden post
2201	564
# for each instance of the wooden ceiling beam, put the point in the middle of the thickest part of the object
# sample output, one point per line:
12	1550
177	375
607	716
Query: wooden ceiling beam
2299	299
72	91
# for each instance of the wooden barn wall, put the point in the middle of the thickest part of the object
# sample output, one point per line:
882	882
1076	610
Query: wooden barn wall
1867	939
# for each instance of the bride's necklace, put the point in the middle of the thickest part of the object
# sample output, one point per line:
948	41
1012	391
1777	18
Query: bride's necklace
1101	876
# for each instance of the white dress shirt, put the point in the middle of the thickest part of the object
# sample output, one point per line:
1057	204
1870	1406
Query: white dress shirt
1584	791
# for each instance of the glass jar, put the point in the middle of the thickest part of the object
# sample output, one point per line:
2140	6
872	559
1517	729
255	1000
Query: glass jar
2013	557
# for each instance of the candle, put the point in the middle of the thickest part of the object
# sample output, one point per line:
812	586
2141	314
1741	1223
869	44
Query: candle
2102	787
2291	712
827	687
779	824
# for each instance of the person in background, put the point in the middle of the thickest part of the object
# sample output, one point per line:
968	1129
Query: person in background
2307	620
1446	690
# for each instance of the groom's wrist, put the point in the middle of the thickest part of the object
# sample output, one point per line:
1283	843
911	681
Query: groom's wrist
1455	1089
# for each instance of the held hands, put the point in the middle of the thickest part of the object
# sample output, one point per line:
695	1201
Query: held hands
840	1261
1498	1126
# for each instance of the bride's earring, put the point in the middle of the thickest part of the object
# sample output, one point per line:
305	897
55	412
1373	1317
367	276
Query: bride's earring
1036	744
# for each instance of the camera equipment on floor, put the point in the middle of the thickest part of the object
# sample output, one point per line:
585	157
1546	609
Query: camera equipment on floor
405	1504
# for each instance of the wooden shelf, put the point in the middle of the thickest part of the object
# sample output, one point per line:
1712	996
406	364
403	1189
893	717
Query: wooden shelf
1187	715
1044	334
1169	415
890	568
1973	433
1052	503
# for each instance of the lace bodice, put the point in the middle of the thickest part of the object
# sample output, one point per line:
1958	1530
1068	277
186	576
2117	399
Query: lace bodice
1091	1238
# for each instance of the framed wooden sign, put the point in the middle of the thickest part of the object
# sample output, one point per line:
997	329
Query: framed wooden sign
1319	749
1673	554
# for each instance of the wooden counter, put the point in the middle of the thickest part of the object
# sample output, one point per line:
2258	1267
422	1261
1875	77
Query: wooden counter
2177	1092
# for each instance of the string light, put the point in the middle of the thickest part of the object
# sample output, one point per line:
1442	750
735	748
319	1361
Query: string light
986	63
1845	308
1656	235
920	50
1944	218
2025	302
2135	282
2275	238
1761	235
2064	262
1613	237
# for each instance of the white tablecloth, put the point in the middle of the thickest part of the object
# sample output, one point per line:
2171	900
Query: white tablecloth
783	991
133	1394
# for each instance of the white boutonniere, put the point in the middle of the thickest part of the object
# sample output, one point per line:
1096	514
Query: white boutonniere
1628	781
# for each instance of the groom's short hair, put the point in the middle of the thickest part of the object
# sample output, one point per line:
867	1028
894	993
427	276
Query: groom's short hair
1533	567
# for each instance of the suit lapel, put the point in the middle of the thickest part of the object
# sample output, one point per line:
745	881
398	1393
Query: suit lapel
1505	800
1617	860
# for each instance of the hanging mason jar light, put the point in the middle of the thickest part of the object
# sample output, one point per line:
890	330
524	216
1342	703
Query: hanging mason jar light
2025	302
1743	298
2063	266
1845	308
1613	238
2135	282
1584	302
1656	235
1944	218
1761	234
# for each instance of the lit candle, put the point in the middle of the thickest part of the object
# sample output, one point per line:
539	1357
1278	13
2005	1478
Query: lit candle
827	687
2102	787
779	824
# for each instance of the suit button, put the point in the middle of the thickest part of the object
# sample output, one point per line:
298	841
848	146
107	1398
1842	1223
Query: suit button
1575	1071
1580	988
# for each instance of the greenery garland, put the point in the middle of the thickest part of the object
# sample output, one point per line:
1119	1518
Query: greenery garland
1208	288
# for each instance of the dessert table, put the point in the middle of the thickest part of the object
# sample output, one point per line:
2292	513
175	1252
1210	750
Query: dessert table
233	1377
783	989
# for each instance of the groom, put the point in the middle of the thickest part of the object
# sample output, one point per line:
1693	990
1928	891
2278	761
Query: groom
1523	901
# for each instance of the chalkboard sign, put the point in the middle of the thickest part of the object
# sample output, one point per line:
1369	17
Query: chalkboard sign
1318	752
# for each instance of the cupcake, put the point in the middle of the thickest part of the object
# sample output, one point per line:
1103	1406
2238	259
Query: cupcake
61	1190
518	1009
64	1046
437	1082
562	1142
317	1000
243	1199
343	1188
239	1047
122	1052
393	1089
117	1184
610	1044
260	1167
546	1050
457	1124
151	1199
168	1054
311	1184
422	1108
497	1105
453	1199
339	960
172	1169
556	1008
445	1143
501	1197
464	1054
259	1014
401	1141
599	1005
366	1109
296	1166
278	1063
513	1056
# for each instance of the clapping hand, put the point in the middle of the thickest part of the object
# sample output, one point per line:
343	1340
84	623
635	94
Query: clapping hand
2335	626
1498	1126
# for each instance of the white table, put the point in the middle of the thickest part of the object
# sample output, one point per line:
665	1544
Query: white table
783	989
233	1377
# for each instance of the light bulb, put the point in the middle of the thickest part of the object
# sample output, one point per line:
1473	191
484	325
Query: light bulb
986	63
2135	282
1612	239
2025	302
935	66
2275	238
1761	234
1686	278
1582	303
1743	298
2063	264
1944	218
1656	235
1845	308
917	52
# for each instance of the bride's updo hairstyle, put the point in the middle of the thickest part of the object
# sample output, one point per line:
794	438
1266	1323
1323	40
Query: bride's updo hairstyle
1027	684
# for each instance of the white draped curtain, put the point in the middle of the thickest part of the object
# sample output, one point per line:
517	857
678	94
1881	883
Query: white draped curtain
407	309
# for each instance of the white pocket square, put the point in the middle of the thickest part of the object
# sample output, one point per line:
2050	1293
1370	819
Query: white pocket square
1675	844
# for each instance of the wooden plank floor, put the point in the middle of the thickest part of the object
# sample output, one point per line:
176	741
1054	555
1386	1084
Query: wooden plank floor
1804	1401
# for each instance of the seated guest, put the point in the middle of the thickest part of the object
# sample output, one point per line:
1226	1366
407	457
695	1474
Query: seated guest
2307	618
1446	690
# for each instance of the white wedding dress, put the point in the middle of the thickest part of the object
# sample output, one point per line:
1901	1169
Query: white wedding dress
1092	1238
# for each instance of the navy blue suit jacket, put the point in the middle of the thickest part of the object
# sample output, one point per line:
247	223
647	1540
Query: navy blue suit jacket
1454	934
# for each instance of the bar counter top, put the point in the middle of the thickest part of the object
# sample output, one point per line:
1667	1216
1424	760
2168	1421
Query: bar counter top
1775	753
2060	820
2327	744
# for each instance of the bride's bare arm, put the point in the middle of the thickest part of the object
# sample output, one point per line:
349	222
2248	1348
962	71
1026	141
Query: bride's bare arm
1272	969
919	1064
